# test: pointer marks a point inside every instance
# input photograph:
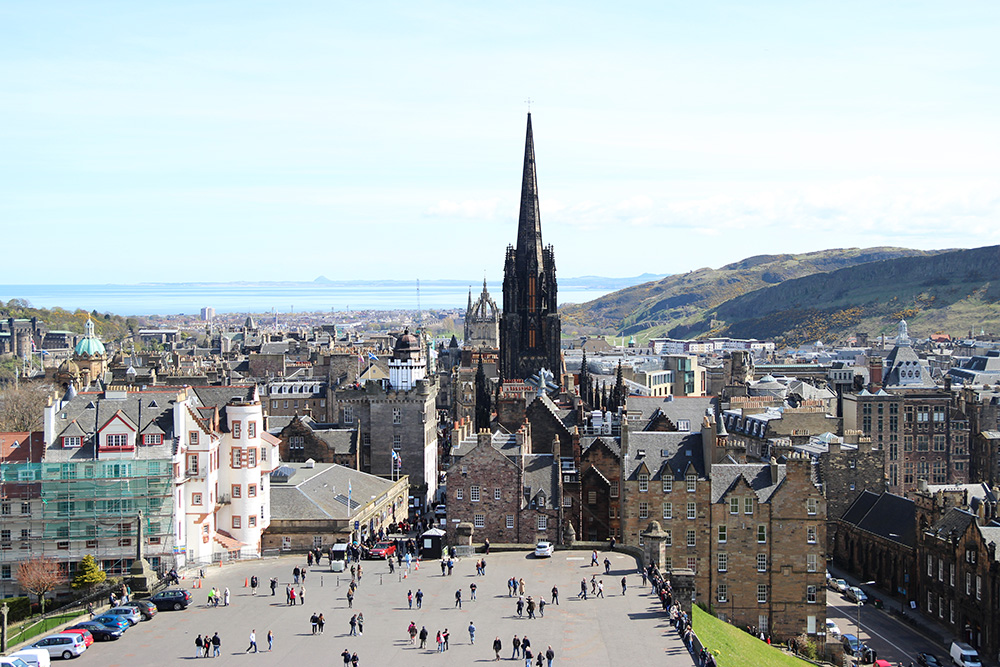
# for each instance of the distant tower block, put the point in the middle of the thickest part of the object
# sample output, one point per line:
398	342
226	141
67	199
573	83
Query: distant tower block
207	314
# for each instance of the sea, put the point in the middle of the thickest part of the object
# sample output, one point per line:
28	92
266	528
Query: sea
290	297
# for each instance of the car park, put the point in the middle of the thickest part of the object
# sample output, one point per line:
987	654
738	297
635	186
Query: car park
88	638
113	621
130	614
146	608
62	645
382	550
928	660
99	631
172	598
856	595
543	549
832	629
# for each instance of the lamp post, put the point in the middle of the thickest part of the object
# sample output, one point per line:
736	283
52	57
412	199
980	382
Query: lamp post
867	583
3	627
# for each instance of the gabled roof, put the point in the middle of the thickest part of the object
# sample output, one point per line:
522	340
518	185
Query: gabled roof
320	492
665	453
611	444
691	408
886	515
757	476
954	522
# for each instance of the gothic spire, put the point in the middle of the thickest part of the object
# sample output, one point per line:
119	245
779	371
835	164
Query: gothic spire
529	222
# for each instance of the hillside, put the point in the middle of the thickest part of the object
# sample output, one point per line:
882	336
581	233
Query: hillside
677	305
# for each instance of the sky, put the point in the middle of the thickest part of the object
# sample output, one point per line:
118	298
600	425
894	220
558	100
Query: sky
255	140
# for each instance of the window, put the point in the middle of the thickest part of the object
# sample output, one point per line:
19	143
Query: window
939	443
761	534
542	522
930	602
811	506
748	505
723	593
723	562
237	523
397	442
667	482
930	565
237	458
810	562
592	497
251	490
968	583
397	416
252	457
474	494
459	494
193	437
71	441
614	489
274	405
941	570
196	499
5	572
761	593
723	529
811	535
734	505
762	562
692	510
296	442
348	414
643	510
668	510
26	508
643	482
496	493
691	480
479	520
811	594
951	574
510	521
690	537
152	439
668	540
567	500
237	428
116	440
979	587
251	429
237	491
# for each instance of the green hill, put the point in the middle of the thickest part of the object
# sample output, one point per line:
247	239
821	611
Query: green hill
677	305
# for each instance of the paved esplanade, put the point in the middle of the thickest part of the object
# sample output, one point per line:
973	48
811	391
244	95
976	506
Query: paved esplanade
617	630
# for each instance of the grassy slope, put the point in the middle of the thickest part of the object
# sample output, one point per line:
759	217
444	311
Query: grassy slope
734	648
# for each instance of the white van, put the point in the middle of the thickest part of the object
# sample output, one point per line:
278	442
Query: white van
36	657
964	655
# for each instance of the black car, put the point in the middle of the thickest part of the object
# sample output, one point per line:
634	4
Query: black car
172	598
928	660
101	632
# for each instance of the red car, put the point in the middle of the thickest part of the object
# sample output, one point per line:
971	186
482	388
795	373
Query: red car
383	550
88	638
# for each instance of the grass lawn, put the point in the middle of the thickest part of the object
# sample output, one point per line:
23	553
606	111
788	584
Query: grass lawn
31	629
734	648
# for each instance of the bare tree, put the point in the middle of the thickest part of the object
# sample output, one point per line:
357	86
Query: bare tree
39	576
21	407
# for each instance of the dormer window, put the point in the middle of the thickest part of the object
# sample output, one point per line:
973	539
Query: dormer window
116	441
71	441
152	439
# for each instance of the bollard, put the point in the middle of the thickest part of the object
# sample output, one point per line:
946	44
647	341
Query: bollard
380	579
321	581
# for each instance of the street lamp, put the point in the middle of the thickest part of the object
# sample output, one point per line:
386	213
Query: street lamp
867	583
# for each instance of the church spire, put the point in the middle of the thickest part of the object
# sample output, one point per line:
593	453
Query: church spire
529	222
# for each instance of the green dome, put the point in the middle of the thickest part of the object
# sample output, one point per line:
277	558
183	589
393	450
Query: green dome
90	345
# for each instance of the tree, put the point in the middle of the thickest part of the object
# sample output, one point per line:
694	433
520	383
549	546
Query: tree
39	576
21	408
88	574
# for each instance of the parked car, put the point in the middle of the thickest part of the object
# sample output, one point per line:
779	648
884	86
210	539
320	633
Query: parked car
855	594
112	621
130	614
62	645
11	661
928	660
146	608
35	657
99	631
852	645
543	549
382	550
838	585
172	598
441	511
88	638
832	629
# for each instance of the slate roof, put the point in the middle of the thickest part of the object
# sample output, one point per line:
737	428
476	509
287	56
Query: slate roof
540	474
339	440
757	475
691	408
666	453
991	534
588	441
887	515
955	521
319	493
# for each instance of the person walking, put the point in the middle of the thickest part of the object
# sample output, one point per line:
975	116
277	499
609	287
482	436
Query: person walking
607	566
472	590
346	655
225	597
253	642
528	655
472	632
593	584
600	588
354	660
583	588
555	595
361	623
409	598
208	646
497	647
624	585
550	654
486	548
302	594
420	598
423	637
314	621
520	606
525	644
274	585
270	641
445	635
354	626
440	642
412	631
520	583
295	575
216	645
593	558
458	598
541	607
531	607
320	623
253	585
516	643
199	646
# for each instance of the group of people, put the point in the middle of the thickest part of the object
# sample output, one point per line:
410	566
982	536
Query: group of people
207	646
292	596
215	597
522	649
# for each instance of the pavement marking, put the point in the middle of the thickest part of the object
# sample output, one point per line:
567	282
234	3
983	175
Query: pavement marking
575	558
872	632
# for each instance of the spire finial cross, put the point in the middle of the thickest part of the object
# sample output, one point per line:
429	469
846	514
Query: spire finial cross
528	102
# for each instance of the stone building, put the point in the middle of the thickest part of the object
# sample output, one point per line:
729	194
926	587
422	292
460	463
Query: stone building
303	439
600	488
482	322
529	325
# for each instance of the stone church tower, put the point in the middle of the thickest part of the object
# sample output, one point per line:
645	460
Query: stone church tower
529	325
482	322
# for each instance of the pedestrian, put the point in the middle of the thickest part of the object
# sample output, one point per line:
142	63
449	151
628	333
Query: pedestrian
420	598
225	597
270	640
361	623
525	644
208	646
253	642
274	585
445	635
486	548
510	587
539	660
314	621
295	575
531	607
472	591
451	564
516	643
593	558
549	653
541	607
321	623
354	660
216	645
624	585
607	566
346	655
423	637
309	558
612	548
472	633
440	642
211	597
412	631
409	598
528	655
600	588
350	598
555	595
444	566
253	585
593	584
458	598
482	566
199	646
292	594
354	626
642	572
303	575
520	606
583	588
302	594
497	647
520	583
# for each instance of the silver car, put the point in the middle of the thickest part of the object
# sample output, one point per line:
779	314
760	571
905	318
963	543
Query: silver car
130	614
61	645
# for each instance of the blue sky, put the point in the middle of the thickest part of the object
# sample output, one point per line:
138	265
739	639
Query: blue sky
176	141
